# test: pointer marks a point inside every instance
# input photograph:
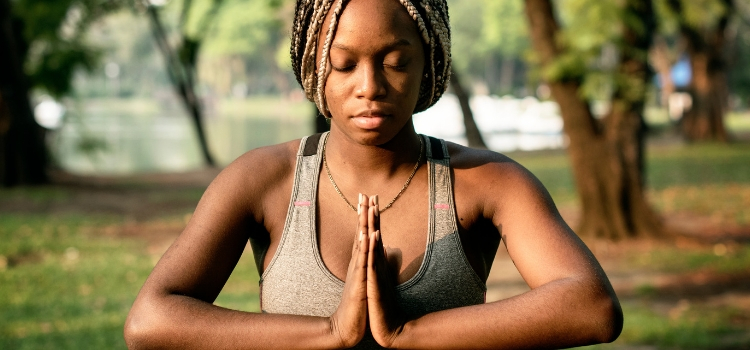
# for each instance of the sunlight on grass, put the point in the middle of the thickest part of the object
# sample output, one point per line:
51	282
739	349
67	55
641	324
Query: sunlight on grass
711	180
679	326
66	285
60	288
241	290
734	258
683	326
68	281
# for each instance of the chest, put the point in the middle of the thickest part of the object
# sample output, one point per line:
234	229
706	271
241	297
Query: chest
404	226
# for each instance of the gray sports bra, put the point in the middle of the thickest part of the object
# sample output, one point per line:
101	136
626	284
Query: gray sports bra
297	282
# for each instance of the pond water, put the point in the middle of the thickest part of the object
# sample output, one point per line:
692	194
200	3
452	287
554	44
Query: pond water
110	139
124	143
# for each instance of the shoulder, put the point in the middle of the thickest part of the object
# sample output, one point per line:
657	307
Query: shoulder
265	163
487	167
256	175
494	182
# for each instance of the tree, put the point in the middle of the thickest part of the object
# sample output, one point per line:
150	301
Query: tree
739	79
42	46
607	153
473	136
181	61
22	155
703	25
489	47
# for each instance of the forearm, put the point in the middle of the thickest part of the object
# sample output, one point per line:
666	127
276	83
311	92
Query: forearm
180	322
559	314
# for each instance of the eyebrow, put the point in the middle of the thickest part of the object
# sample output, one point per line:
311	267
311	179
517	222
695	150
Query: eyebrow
391	46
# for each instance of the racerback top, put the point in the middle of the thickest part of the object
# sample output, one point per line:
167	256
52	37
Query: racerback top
297	281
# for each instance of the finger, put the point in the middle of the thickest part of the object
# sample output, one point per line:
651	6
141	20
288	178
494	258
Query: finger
362	210
374	270
371	220
380	258
372	257
360	251
376	218
361	258
358	230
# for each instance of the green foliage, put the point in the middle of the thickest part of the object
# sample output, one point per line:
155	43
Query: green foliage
125	40
504	31
593	39
486	32
242	27
739	65
54	33
700	15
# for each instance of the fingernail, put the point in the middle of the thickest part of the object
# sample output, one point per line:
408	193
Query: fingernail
376	199
359	205
361	235
377	234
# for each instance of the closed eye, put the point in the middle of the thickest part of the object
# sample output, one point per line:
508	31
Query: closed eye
344	68
399	68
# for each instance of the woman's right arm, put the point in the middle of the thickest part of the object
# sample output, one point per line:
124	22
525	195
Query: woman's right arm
174	309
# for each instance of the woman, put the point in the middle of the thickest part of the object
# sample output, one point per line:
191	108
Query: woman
336	274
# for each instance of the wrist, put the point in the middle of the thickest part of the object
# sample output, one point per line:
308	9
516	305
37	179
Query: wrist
401	336
340	338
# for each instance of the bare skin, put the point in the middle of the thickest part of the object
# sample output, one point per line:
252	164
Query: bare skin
377	59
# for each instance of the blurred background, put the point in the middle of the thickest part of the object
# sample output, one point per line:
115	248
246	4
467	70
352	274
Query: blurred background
116	114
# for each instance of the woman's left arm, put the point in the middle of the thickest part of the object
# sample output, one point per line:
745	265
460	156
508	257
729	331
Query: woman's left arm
571	302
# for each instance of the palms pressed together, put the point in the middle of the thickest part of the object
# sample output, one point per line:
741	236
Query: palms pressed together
369	288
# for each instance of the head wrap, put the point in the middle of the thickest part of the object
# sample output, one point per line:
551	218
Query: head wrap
431	17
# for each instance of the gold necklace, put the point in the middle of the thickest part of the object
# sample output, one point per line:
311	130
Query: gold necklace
335	187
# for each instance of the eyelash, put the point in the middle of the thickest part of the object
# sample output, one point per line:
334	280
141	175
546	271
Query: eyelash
398	68
343	69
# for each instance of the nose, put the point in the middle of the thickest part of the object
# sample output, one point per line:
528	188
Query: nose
371	83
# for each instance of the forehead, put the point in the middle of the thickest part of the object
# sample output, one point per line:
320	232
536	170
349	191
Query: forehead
365	21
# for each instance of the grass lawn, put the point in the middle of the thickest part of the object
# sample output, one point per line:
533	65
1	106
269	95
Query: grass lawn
68	278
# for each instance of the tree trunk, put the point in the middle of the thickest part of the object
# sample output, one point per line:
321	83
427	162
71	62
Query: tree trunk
705	120
182	77
708	86
606	157
473	136
23	157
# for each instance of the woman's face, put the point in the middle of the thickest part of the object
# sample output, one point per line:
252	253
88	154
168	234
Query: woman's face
377	62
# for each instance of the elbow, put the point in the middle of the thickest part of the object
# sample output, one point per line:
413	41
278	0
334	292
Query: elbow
609	319
137	332
141	329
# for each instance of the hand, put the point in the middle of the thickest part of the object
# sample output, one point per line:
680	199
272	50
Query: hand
386	320
349	320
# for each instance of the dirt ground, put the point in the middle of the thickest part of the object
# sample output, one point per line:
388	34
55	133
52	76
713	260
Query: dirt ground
156	208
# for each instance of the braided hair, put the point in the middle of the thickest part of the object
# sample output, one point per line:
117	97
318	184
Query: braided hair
431	17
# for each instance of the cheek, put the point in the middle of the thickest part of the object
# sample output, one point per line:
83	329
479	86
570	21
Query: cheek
335	93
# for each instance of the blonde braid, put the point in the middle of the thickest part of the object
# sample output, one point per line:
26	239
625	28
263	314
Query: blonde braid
308	58
433	23
323	69
440	23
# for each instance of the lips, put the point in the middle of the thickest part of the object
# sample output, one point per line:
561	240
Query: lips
370	120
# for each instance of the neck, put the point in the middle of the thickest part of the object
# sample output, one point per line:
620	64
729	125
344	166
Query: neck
366	160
